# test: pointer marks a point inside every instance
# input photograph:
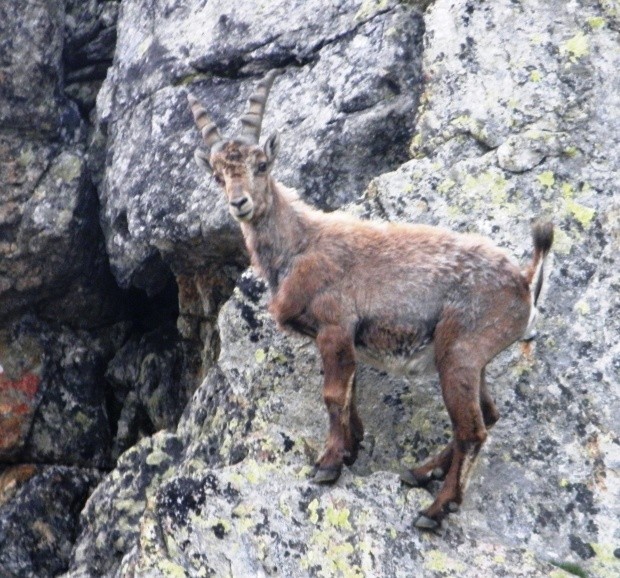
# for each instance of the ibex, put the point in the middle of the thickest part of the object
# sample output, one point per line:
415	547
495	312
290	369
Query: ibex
401	297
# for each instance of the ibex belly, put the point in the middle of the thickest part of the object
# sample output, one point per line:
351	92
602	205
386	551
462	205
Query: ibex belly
401	351
420	362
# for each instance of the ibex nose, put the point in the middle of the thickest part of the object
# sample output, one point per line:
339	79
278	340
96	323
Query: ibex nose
238	203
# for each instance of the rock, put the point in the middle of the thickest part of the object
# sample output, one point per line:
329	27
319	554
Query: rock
50	240
90	40
343	108
111	519
149	386
255	519
39	510
20	380
52	393
508	130
30	68
513	108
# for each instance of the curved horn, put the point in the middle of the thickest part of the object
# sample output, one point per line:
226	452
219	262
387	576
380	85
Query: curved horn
252	120
208	130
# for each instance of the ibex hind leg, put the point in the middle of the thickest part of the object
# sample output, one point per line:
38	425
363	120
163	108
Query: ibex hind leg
437	467
461	387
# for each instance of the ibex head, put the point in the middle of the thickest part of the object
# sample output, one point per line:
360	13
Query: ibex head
240	165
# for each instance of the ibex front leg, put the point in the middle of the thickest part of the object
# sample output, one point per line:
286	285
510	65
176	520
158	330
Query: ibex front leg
345	427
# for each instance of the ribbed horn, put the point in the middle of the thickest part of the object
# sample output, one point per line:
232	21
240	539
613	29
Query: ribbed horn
252	120
208	130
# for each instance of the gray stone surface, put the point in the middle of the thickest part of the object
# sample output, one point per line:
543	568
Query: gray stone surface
40	510
507	110
343	107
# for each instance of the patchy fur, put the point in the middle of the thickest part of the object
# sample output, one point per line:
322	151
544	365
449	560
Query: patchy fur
403	297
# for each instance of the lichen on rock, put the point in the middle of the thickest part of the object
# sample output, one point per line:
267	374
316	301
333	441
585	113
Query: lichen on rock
140	361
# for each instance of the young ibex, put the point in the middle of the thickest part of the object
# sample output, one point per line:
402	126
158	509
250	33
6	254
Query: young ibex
401	297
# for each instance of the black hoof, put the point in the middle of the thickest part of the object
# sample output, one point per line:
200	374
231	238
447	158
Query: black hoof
438	474
325	475
425	523
453	507
409	478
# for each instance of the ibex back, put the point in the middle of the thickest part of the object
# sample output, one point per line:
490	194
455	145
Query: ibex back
402	297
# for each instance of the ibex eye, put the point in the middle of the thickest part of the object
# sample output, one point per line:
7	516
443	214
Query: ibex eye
262	167
218	179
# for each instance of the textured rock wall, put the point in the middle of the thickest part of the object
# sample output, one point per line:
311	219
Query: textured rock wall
68	407
140	362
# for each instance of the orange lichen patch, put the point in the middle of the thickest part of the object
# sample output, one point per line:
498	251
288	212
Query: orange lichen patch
17	406
28	384
13	429
527	349
12	478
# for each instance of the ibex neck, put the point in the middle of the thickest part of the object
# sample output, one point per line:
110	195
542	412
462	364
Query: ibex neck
277	237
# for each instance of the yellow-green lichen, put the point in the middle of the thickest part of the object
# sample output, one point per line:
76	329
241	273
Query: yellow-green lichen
471	126
260	355
156	458
243	517
220	525
338	517
576	47
571	151
536	38
546	179
416	145
605	553
584	215
313	511
535	75
67	168
596	22
558	573
370	8
437	561
581	213
257	472
582	307
562	243
285	507
131	507
170	569
330	551
490	185
445	186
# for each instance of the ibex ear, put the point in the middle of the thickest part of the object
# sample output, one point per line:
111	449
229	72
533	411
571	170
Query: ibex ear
272	146
202	160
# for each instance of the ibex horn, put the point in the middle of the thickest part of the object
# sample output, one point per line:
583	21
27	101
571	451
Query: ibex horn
251	121
205	125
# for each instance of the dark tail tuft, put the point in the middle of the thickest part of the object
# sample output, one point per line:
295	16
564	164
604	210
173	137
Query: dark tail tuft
542	235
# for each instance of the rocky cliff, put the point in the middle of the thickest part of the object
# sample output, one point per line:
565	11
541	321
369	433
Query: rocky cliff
153	422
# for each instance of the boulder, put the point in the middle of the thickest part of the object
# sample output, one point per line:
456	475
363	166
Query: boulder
40	507
343	107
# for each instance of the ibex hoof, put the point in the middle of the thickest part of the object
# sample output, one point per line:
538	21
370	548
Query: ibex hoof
438	474
325	475
453	507
409	478
425	523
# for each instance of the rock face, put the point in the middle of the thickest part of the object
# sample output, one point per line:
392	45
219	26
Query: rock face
153	420
343	109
